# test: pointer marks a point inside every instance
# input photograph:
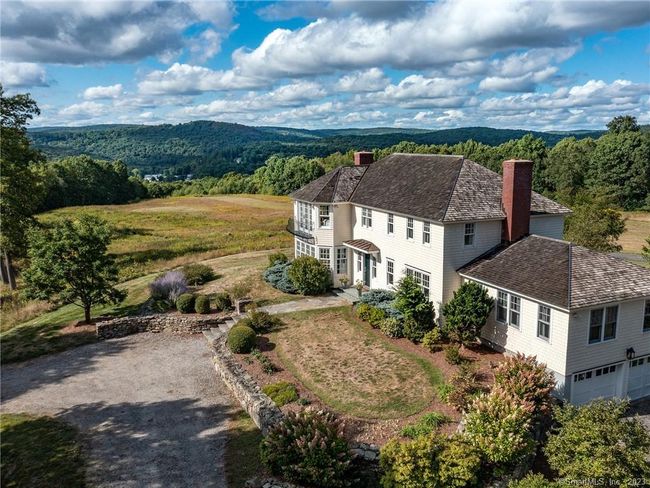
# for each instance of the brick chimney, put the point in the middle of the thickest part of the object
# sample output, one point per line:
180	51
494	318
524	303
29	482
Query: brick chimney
363	158
515	198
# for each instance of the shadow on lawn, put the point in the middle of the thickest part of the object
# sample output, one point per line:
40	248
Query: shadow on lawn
23	377
168	443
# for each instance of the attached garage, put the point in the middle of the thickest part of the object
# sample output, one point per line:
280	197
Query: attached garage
596	383
638	382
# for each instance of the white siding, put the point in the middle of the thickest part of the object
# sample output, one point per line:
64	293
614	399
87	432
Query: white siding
629	333
525	340
487	234
547	225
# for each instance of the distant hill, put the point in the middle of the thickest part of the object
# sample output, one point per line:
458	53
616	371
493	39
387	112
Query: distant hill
214	148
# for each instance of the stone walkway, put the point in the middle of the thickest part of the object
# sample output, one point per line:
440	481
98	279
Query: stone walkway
307	304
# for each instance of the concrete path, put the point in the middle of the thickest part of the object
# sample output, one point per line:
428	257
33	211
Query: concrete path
307	304
150	406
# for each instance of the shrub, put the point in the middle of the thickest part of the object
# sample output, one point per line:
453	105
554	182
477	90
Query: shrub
425	425
453	355
459	463
410	464
168	287
198	274
527	379
260	321
278	277
466	313
240	290
378	297
444	390
464	386
499	426
416	308
241	339
432	340
376	316
309	275
392	327
308	447
597	441
363	311
278	258
533	481
281	393
185	303
390	310
222	302
202	304
267	366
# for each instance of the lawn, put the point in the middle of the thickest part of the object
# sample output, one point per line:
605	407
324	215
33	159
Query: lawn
242	456
163	233
637	230
54	331
351	369
40	452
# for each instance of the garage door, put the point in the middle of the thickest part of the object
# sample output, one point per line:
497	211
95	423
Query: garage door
638	383
597	383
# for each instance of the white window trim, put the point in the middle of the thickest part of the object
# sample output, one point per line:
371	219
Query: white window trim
328	261
508	309
366	217
321	216
410	220
373	267
390	224
602	339
540	321
390	264
415	272
359	266
473	234
426	230
341	262
305	216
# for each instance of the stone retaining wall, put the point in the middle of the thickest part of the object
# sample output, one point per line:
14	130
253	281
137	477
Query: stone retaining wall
258	405
169	322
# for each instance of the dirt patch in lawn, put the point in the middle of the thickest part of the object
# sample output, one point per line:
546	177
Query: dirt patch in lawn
377	384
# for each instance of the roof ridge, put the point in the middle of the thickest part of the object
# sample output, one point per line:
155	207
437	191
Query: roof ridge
428	155
453	188
334	173
551	238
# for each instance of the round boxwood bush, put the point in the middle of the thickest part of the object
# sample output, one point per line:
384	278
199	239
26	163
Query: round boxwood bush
309	275
198	274
202	304
222	302
185	303
308	448
241	339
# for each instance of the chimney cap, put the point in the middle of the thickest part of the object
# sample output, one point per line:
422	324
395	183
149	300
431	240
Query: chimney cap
363	158
518	161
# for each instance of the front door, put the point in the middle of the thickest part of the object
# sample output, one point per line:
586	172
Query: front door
366	269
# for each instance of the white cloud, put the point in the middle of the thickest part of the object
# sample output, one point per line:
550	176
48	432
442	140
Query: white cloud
22	74
99	92
84	110
370	80
445	33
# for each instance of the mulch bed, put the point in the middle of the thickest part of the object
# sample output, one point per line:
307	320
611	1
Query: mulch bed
371	430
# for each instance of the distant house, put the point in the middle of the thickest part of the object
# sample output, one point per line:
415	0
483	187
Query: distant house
444	219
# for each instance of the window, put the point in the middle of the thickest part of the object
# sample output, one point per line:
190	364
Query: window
502	306
359	262
305	219
366	217
324	216
421	278
373	262
391	224
390	271
324	256
304	249
544	322
409	228
638	362
341	260
515	309
646	317
469	234
508	308
602	324
426	233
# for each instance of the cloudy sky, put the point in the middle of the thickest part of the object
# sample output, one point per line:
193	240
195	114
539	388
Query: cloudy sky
450	63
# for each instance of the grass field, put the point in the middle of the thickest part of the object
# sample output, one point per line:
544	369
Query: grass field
637	230
163	233
40	452
351	369
242	456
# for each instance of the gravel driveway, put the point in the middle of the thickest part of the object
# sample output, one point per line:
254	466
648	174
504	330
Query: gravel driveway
150	406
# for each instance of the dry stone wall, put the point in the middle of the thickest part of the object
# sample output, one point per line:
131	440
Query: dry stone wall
168	322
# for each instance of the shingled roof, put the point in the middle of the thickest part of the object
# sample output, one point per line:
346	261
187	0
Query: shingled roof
435	187
559	273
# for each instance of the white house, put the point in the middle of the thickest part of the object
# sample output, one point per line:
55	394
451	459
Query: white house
444	219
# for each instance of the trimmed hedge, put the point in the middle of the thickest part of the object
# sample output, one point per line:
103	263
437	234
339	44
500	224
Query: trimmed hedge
241	339
185	303
202	304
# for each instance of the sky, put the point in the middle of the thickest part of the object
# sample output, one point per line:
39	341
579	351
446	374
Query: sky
539	65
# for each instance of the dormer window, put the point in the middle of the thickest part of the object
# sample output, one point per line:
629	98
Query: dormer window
324	219
468	239
366	217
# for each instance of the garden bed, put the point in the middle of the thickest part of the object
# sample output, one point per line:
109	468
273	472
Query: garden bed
377	384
